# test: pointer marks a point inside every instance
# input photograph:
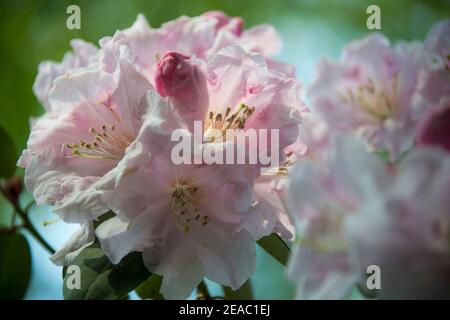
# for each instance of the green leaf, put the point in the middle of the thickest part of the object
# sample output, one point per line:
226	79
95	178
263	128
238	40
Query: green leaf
15	266
150	288
243	293
383	155
100	279
106	216
276	247
9	155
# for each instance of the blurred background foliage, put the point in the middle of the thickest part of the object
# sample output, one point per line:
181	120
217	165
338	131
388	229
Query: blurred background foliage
32	31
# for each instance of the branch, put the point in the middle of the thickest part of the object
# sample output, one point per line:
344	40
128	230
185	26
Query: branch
26	221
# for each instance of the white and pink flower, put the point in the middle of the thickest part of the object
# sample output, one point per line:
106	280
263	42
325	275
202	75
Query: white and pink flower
104	144
199	218
406	233
371	91
322	196
357	211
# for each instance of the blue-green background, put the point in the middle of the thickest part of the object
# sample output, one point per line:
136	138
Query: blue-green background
32	31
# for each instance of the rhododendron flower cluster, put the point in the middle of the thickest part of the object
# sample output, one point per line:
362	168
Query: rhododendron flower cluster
361	178
104	145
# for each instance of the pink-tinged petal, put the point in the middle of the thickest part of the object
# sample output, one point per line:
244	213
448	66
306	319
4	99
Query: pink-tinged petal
395	236
171	240
347	157
410	59
435	80
313	183
83	54
434	84
126	186
224	22
118	238
128	98
74	198
314	138
276	107
321	276
193	36
287	69
235	254
323	196
162	118
176	76
91	100
325	100
91	108
232	73
374	56
424	176
176	260
263	38
408	225
84	237
434	129
437	40
48	71
270	211
372	92
90	87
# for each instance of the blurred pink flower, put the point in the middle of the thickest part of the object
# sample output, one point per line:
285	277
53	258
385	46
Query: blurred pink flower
371	91
323	195
405	229
356	212
435	81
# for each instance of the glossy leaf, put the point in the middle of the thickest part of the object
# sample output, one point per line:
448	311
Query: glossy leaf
276	247
150	288
100	279
15	266
243	293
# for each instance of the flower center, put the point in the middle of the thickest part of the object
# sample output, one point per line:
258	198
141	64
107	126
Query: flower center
374	100
185	205
226	121
109	143
324	232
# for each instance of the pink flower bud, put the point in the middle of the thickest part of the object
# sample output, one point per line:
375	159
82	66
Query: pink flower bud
177	77
172	73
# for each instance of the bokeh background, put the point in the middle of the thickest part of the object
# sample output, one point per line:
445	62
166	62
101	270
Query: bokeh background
32	31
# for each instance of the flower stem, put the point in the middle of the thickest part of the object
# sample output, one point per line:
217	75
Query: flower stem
26	221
